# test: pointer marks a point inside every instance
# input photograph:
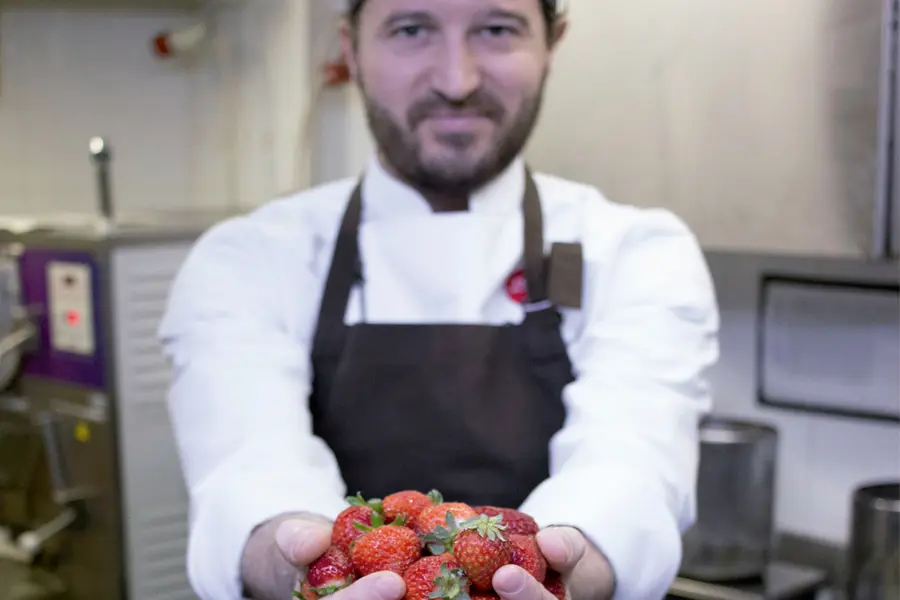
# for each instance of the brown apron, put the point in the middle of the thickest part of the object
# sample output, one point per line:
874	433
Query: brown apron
466	409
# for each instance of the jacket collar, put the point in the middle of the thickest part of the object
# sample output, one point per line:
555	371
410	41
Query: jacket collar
386	197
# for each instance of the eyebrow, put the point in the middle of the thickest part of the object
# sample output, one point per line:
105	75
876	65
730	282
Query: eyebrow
511	15
407	15
421	15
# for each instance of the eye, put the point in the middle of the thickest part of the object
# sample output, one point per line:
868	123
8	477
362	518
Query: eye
408	31
497	31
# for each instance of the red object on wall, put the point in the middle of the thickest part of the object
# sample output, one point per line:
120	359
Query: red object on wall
336	73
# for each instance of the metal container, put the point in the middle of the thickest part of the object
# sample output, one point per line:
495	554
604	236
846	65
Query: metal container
732	537
873	570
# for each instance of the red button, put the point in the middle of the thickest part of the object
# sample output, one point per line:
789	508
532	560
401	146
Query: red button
517	287
73	317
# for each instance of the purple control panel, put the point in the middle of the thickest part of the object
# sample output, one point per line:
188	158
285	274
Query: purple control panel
64	288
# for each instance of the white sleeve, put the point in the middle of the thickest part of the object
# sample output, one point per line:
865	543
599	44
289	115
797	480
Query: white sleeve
238	400
623	468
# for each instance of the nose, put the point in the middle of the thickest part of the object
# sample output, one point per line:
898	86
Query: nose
458	73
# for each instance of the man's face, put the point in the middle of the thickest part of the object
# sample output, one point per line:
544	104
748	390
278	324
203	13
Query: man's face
452	88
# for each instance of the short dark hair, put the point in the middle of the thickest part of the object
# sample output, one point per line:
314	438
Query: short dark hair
550	9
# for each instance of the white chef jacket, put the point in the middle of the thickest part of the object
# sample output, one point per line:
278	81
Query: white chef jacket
243	310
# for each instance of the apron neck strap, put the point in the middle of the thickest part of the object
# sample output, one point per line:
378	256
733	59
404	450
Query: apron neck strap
346	269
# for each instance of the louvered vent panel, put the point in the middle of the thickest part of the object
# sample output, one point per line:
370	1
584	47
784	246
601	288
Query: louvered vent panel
156	506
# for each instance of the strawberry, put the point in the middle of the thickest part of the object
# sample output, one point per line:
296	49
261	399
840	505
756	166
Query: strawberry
436	516
343	532
554	584
306	592
482	595
481	549
330	573
409	504
524	552
515	521
384	547
436	578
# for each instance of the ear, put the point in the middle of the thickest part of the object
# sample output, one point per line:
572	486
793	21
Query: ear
347	35
559	32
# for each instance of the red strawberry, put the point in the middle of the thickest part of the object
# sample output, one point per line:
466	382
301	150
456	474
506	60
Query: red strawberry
436	516
384	548
330	573
525	553
409	504
482	595
436	578
306	592
515	521
481	549
343	532
554	584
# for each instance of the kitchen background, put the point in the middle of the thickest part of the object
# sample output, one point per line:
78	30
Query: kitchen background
223	127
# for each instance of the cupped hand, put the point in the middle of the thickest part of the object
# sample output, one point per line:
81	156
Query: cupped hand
302	541
585	570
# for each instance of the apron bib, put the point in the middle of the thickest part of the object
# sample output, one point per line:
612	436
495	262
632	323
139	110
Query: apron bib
465	409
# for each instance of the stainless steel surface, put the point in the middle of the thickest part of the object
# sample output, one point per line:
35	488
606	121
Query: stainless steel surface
734	531
779	581
763	124
11	329
874	553
101	154
893	204
887	113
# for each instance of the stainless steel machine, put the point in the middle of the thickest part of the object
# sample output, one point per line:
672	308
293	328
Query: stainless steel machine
92	500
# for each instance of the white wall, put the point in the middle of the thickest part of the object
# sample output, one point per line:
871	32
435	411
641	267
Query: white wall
219	128
66	76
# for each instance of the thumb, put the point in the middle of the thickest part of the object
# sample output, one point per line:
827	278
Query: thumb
563	547
301	541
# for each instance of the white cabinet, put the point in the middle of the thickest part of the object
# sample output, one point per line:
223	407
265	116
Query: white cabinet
764	124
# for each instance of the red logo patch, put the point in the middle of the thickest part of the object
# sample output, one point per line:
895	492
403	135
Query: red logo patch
517	287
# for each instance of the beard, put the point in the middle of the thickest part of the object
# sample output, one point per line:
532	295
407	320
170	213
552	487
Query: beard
456	175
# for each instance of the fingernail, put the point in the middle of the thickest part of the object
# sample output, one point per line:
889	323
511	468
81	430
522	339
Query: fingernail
288	535
509	580
389	585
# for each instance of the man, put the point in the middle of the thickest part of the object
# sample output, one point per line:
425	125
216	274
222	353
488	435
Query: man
452	322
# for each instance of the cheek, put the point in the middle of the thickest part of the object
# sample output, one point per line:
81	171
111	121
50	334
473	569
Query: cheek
513	82
390	88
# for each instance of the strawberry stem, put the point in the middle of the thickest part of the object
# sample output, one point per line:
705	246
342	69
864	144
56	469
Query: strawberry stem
450	585
487	527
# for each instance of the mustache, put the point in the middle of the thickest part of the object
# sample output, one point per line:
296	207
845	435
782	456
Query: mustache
479	104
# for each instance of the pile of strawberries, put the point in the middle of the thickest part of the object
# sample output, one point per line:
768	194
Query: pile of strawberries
443	550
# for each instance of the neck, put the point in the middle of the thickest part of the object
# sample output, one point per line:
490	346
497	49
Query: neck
439	203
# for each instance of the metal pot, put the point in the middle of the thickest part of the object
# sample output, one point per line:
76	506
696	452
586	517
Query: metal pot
732	537
873	570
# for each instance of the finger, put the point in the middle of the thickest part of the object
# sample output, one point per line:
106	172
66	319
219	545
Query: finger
301	542
563	547
377	586
514	583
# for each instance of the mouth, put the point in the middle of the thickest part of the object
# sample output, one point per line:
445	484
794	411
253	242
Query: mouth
457	121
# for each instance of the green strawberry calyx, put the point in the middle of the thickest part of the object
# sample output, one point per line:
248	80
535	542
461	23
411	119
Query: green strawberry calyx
436	497
491	528
358	500
332	589
441	539
378	521
450	585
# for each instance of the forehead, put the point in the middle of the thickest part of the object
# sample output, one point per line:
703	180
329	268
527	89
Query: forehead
451	9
